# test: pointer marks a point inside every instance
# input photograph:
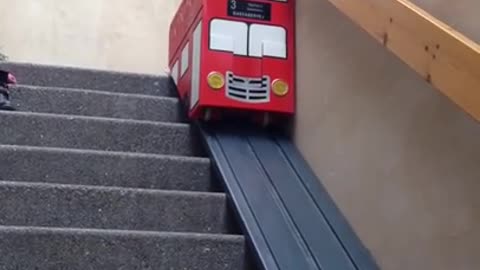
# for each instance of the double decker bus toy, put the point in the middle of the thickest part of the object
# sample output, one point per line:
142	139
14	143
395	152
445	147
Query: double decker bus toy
234	55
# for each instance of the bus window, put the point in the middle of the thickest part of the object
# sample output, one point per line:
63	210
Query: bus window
228	36
267	40
174	73
184	60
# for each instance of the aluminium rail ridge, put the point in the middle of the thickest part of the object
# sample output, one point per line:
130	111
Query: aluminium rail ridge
287	215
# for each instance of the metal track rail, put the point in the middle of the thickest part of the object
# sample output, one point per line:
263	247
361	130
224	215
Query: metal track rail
287	215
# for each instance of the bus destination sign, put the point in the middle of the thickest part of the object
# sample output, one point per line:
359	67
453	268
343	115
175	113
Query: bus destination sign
249	10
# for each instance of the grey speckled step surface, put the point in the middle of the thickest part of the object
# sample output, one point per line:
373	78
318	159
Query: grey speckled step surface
35	248
101	170
72	77
53	205
96	103
36	129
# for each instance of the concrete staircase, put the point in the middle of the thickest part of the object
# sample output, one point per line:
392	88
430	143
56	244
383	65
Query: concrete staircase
99	170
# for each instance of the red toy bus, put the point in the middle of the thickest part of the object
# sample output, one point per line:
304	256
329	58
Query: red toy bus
234	55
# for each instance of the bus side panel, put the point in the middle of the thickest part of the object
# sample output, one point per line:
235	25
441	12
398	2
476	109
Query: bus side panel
206	60
184	72
181	24
290	18
188	83
196	64
203	86
181	61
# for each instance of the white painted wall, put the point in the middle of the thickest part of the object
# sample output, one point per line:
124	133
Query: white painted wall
124	35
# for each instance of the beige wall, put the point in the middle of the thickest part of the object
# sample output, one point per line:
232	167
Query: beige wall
129	35
401	161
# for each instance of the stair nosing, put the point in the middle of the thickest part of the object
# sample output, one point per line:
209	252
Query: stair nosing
105	153
116	232
159	75
173	192
96	118
98	92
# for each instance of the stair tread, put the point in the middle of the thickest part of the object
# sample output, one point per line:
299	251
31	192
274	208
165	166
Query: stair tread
15	147
135	233
94	118
94	103
91	167
60	205
12	65
82	132
45	248
123	190
74	77
91	91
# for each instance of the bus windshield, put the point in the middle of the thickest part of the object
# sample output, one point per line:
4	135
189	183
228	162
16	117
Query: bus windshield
254	40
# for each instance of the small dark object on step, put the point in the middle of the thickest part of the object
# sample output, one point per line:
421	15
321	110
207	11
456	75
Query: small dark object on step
6	78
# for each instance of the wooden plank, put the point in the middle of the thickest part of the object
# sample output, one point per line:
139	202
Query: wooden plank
446	58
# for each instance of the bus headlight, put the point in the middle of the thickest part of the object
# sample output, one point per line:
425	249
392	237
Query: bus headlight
215	80
280	87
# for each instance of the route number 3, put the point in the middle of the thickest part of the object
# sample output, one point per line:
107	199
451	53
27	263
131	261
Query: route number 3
233	4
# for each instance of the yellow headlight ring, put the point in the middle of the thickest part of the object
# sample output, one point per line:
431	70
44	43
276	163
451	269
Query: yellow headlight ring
280	87
215	80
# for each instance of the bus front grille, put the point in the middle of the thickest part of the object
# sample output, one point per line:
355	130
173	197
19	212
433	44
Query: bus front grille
250	90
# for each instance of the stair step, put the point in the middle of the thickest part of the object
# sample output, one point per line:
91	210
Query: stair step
54	205
73	77
90	167
96	103
73	249
37	129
